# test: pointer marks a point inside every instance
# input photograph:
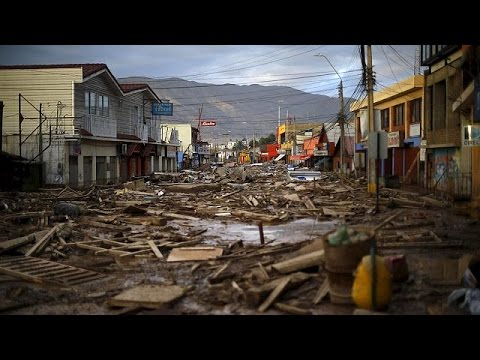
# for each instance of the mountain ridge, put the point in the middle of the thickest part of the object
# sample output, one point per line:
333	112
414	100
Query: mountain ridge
239	110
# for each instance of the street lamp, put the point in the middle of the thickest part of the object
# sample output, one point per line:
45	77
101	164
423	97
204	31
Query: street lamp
341	116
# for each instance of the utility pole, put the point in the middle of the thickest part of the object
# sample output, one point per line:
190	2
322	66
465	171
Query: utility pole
341	121
340	117
253	148
294	152
1	125
372	187
40	134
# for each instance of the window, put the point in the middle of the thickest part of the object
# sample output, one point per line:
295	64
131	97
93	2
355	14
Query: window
385	117
439	105
90	102
415	111
398	111
429	108
103	109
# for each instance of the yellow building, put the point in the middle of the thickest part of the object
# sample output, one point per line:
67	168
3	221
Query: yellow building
398	111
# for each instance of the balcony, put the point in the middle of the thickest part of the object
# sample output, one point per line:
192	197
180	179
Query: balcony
101	126
448	137
155	133
141	131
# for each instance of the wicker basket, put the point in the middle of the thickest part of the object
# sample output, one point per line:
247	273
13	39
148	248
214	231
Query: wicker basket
341	262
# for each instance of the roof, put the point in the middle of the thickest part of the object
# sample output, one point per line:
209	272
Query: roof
132	87
88	69
349	146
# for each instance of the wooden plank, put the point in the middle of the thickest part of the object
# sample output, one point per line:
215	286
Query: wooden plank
20	275
38	246
155	250
144	251
263	271
230	194
219	271
256	295
367	312
117	228
322	292
300	262
15	243
291	309
256	216
308	203
274	294
194	254
386	221
149	296
247	201
433	202
410	169
435	236
184	243
426	244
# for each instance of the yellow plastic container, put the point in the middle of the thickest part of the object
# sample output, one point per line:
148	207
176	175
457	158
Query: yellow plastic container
362	285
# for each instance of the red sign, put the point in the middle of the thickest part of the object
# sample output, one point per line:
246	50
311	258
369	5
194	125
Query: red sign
208	123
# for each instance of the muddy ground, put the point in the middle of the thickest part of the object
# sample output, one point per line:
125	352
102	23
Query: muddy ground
222	209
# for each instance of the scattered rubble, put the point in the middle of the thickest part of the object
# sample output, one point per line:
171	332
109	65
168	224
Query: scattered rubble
150	238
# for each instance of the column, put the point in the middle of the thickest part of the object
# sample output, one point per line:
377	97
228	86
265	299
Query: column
152	164
80	171
109	169
94	169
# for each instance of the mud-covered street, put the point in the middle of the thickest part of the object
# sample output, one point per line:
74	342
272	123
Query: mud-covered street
226	240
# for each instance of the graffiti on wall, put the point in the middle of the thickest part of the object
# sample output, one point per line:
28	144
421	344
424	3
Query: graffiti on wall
445	166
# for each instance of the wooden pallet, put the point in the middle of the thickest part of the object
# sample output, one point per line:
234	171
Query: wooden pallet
44	271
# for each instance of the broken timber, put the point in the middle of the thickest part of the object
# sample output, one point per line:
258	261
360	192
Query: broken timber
256	295
40	244
274	294
44	271
299	262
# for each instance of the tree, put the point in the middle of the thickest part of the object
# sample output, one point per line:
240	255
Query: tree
239	146
270	139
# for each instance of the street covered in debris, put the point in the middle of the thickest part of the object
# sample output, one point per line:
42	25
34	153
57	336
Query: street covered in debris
223	240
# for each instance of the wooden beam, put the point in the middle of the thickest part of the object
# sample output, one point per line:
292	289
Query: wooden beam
274	294
256	295
322	292
291	309
300	262
40	244
155	250
387	220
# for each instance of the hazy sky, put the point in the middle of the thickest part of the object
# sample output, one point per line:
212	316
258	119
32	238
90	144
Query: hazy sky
289	65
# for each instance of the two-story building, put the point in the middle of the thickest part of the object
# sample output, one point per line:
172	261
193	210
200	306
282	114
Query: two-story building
452	120
80	123
398	111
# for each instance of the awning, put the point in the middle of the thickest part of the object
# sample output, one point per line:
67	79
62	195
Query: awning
279	157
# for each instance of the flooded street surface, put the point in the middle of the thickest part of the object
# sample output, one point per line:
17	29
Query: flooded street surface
224	232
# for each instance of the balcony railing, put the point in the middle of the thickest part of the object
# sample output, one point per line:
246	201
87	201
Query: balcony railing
155	133
141	131
101	126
